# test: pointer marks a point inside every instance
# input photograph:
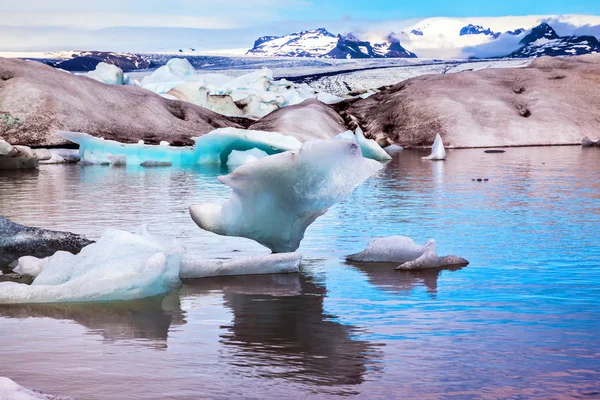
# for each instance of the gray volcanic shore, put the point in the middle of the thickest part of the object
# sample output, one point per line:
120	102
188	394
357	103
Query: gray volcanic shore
554	101
37	100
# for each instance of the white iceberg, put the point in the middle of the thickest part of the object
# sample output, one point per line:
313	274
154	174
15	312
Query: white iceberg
369	147
437	150
31	266
396	249
10	390
109	74
393	149
119	266
61	156
282	263
276	198
254	95
214	147
176	72
430	259
237	158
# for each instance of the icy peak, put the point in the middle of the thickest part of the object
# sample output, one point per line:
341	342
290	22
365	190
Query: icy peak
322	43
543	30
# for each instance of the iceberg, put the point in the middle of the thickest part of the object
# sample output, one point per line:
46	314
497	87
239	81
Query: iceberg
31	266
393	149
430	259
109	74
11	390
119	266
396	249
176	72
237	158
276	198
437	150
62	156
369	147
282	263
253	95
214	147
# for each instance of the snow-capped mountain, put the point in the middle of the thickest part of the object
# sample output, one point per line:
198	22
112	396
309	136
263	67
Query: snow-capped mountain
543	40
442	37
323	44
87	60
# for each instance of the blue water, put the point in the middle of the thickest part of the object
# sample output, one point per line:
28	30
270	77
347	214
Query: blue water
521	321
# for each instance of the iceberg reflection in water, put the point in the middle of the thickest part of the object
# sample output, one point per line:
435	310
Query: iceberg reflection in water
519	322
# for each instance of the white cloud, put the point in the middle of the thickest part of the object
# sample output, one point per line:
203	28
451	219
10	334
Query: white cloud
200	14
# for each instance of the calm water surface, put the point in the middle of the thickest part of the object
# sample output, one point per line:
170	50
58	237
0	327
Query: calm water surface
522	321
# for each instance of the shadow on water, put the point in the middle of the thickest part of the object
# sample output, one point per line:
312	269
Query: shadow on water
145	321
279	330
386	278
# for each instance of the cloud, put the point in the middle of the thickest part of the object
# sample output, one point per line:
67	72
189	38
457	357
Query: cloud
200	14
500	47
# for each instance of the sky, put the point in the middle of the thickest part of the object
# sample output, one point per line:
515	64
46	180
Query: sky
153	25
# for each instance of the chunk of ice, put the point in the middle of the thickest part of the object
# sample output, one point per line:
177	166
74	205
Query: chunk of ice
283	263
276	198
214	147
119	266
396	249
10	390
430	259
109	74
369	147
237	158
437	150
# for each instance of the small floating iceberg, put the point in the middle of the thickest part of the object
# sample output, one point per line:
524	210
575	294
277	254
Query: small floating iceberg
369	147
392	249
282	263
276	198
393	149
254	95
430	259
437	150
214	147
109	74
237	158
11	390
119	266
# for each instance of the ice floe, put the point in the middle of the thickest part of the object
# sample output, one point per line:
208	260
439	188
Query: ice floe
255	94
109	74
31	266
10	390
62	156
403	250
214	147
393	149
437	150
276	198
396	249
242	157
430	259
119	266
281	263
369	147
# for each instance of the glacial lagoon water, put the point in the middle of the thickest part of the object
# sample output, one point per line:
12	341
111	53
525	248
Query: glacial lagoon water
521	321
